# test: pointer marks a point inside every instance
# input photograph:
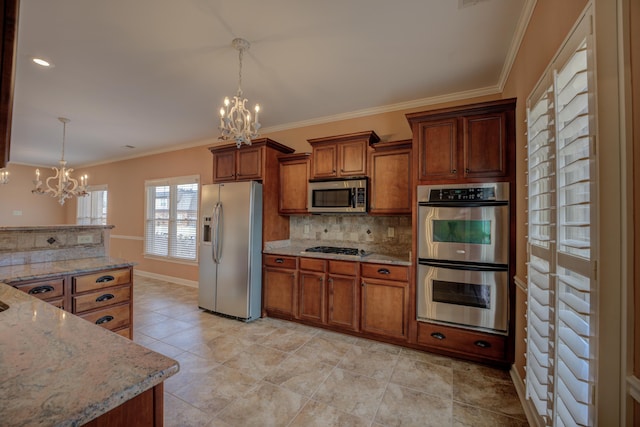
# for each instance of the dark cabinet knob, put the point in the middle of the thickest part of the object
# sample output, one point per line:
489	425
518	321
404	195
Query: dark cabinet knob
40	290
466	170
482	344
104	319
438	335
279	260
103	279
105	297
383	271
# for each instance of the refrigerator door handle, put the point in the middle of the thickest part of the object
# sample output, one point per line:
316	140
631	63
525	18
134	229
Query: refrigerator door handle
217	230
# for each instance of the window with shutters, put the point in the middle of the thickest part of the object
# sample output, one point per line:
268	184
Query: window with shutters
92	208
171	220
561	314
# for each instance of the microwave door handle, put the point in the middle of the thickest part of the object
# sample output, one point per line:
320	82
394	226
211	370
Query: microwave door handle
353	198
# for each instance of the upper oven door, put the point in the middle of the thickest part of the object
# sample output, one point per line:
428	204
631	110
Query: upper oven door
472	233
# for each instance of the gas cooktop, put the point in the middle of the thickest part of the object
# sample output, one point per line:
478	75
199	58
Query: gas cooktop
335	250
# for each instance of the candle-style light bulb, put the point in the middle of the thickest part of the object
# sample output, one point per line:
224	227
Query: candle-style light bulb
37	174
257	111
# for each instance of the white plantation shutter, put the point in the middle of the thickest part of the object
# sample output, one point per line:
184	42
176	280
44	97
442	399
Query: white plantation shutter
171	219
562	257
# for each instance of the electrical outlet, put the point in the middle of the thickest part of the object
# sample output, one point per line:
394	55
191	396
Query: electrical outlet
391	232
17	213
85	238
306	229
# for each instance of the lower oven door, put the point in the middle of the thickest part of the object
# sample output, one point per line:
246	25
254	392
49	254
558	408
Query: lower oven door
472	296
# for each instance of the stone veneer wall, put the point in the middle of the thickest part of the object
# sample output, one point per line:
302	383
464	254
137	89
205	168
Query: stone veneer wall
28	245
370	233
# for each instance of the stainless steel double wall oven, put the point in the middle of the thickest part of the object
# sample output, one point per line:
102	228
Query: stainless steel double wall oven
463	255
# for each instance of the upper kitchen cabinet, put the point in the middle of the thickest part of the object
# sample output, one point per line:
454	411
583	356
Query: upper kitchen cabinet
465	144
247	163
342	155
294	176
390	173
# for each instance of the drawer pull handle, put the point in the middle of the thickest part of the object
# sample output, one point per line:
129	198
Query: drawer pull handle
383	271
104	319
279	260
105	297
482	344
41	290
438	335
103	279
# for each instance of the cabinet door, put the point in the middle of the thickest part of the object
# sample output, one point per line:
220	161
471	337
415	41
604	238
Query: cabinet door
280	291
384	308
249	163
312	296
484	145
343	302
294	177
325	160
437	150
352	158
391	182
224	166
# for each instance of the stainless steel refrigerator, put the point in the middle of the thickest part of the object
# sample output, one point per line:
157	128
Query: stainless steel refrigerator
230	248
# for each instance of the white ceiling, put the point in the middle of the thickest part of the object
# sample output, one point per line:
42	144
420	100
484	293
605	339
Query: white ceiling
153	73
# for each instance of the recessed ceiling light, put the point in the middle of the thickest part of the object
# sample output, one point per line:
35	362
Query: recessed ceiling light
128	147
42	62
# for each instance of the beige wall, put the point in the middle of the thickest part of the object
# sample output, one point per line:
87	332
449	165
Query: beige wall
19	207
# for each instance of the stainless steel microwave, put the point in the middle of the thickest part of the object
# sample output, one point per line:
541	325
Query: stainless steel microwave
338	196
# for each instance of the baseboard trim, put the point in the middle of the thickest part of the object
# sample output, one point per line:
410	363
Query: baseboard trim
176	280
530	412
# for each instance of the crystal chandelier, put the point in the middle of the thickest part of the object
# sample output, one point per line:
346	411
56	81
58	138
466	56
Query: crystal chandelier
61	185
235	119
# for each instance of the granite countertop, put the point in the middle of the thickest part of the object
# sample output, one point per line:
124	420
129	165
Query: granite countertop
43	270
373	257
58	369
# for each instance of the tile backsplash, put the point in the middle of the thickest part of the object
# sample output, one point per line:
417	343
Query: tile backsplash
388	234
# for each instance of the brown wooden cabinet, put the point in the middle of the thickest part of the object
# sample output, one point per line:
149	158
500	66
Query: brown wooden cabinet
342	155
385	300
9	29
390	178
233	164
312	292
470	143
51	290
280	286
294	177
103	297
343	295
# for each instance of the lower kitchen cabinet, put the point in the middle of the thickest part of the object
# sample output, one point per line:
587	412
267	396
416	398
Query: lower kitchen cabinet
343	295
280	286
102	297
311	290
462	342
385	300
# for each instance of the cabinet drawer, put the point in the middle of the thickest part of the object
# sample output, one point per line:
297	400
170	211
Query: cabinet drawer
281	261
462	341
313	264
344	268
101	280
113	317
44	289
101	298
385	271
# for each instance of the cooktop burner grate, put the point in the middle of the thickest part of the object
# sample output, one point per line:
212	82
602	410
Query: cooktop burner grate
333	250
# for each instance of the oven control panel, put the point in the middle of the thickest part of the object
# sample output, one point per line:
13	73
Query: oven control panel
463	194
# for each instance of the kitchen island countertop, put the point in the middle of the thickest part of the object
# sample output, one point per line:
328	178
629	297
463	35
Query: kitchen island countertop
58	369
44	270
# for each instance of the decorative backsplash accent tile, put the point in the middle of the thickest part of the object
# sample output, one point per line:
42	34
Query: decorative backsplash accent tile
388	235
27	245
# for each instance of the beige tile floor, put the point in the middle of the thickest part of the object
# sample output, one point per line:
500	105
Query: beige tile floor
276	373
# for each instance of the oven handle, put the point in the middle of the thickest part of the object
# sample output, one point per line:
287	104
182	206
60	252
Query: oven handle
453	265
464	204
